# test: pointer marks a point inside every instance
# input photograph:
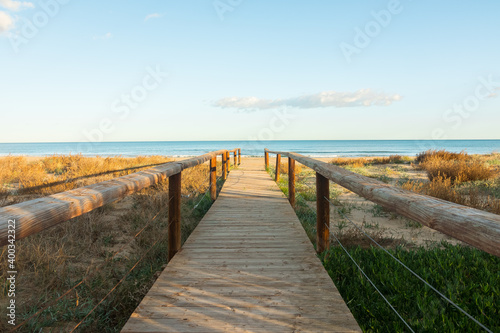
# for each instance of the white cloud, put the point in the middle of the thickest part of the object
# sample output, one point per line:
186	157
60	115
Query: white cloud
6	22
152	16
106	36
16	5
363	97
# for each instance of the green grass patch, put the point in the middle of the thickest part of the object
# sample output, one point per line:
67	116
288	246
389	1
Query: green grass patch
469	277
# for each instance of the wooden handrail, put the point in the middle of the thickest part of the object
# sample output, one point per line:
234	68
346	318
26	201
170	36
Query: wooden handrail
36	215
472	226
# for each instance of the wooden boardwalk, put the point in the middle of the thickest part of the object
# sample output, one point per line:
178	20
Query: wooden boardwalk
247	267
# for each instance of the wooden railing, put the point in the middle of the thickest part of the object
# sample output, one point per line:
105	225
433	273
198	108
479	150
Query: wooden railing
31	217
472	226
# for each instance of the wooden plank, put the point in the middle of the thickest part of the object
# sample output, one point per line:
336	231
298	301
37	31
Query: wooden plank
287	313
278	168
224	166
182	300
174	214
475	227
247	267
291	181
323	213
213	178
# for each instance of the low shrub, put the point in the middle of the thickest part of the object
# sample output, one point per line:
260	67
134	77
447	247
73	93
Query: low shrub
458	167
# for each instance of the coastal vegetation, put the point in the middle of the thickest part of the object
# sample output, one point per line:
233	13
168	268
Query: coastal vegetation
66	272
24	178
469	277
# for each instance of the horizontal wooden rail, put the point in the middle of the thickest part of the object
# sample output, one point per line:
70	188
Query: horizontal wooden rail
32	189
36	215
472	226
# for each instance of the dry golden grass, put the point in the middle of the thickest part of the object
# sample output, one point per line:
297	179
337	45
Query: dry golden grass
354	162
441	155
58	173
444	188
359	162
284	168
458	167
448	172
54	260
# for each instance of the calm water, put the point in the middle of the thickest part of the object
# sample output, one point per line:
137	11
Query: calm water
252	148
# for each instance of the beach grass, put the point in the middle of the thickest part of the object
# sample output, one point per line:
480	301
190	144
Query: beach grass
469	277
23	178
96	250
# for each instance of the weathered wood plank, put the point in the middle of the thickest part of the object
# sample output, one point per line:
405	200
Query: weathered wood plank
174	214
247	267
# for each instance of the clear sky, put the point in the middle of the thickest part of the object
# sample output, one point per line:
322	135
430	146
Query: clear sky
122	70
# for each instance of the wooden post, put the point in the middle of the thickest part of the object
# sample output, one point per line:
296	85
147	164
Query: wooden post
213	178
323	213
291	181
235	158
174	215
266	160
278	165
239	156
228	161
224	166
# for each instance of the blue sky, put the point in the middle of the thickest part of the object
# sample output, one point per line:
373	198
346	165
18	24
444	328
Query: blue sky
239	69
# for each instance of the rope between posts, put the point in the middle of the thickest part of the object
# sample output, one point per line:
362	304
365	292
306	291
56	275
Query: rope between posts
411	271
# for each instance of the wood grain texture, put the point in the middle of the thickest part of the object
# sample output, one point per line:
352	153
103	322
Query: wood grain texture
174	214
475	227
247	267
224	166
278	168
323	213
291	181
213	178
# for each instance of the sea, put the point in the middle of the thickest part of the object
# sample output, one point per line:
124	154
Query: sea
313	148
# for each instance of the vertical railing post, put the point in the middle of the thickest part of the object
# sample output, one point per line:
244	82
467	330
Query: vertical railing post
291	181
224	166
213	178
235	157
174	215
239	156
278	165
323	213
266	160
